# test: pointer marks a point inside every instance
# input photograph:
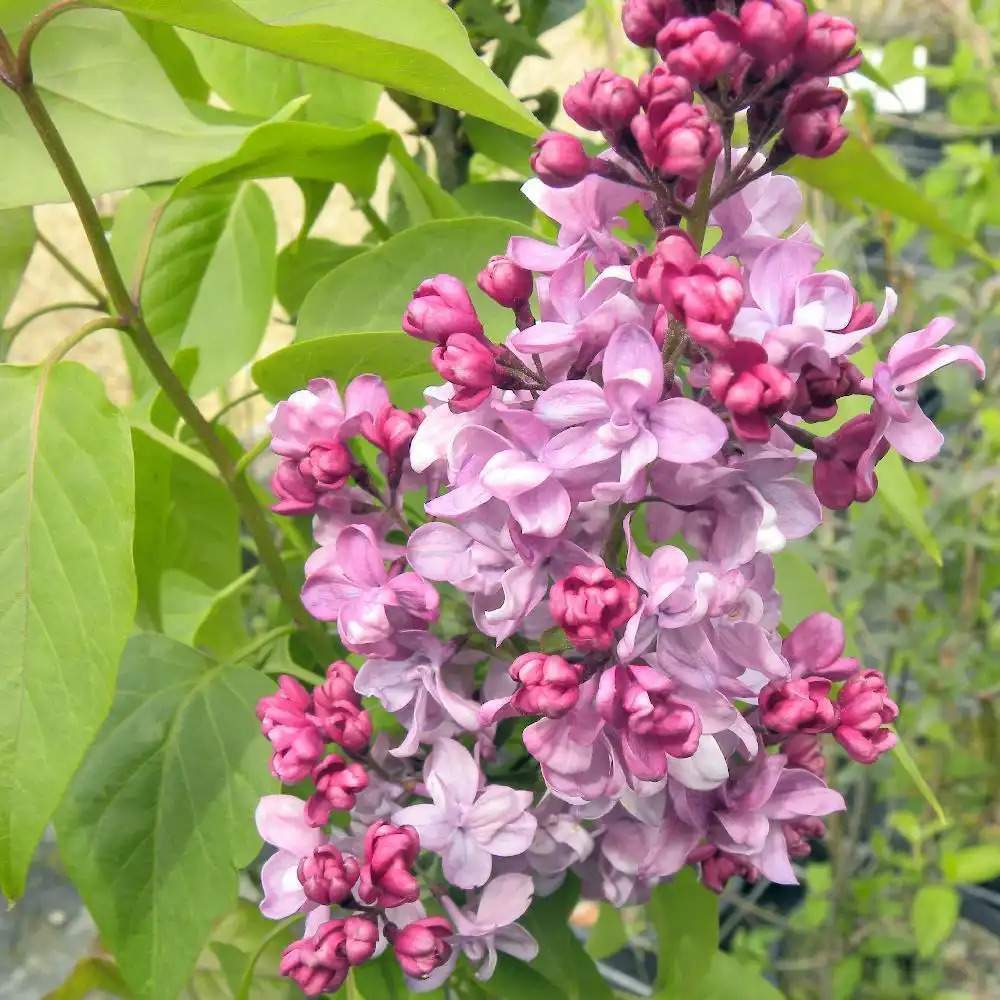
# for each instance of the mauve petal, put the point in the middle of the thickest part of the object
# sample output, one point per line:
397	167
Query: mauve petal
451	775
638	455
281	822
359	557
922	364
919	341
800	793
542	337
777	272
516	941
747	645
315	920
825	300
416	596
748	830
795	504
365	394
433	549
917	438
844	343
283	894
433	826
576	447
542	511
497	807
437	977
534	255
686	431
815	642
504	900
570	403
509	474
706	768
458	501
466	864
773	860
632	355
325	599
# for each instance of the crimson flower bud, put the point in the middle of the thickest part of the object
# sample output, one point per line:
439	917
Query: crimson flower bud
422	946
390	852
644	19
818	389
719	868
589	603
700	48
286	707
826	46
667	88
327	876
337	784
798	833
680	143
798	706
296	492
560	160
297	749
338	686
314	964
440	307
865	711
328	464
508	284
470	366
391	430
812	120
602	101
550	685
770	29
344	723
803	750
360	939
751	389
836	479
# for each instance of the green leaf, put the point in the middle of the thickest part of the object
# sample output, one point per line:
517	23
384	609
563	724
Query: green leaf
502	199
685	916
372	291
67	589
91	975
509	149
302	263
210	280
802	591
561	958
727	977
17	240
897	494
972	864
902	754
425	199
856	175
348	156
260	84
416	46
608	935
391	354
934	915
107	94
381	979
159	819
514	978
175	58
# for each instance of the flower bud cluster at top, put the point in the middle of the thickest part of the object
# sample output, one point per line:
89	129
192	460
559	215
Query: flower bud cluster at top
576	530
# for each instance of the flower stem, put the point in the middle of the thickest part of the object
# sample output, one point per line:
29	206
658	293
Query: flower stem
74	272
130	317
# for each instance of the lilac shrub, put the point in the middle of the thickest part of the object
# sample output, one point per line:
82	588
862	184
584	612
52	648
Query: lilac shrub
590	581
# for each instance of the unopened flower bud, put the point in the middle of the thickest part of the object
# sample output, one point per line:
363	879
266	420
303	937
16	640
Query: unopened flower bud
506	283
818	389
297	749
666	88
812	120
865	711
391	430
337	784
798	833
390	852
589	603
550	685
798	706
296	493
344	723
328	464
560	160
771	29
328	876
719	868
700	48
422	946
753	390
360	939
644	19
836	479
440	307
338	686
803	750
286	707
827	45
680	143
313	963
471	367
603	101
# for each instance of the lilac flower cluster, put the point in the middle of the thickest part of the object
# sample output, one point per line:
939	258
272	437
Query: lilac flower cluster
566	553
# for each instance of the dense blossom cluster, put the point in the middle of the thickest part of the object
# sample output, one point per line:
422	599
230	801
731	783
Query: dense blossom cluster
567	550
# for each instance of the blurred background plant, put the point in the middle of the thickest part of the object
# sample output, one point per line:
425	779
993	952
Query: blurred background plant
905	903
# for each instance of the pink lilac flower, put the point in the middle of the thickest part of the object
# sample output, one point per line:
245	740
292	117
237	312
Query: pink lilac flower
439	308
349	584
422	946
590	603
865	712
389	855
602	100
281	822
466	826
328	876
